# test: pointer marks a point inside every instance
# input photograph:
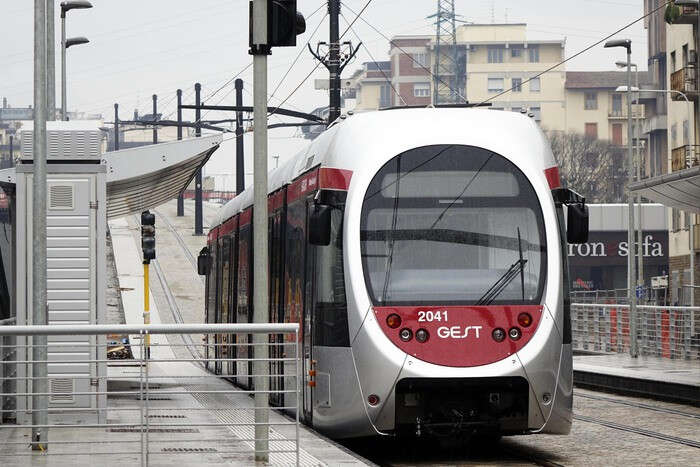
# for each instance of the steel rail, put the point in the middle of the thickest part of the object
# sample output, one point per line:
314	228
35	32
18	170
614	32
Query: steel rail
639	405
639	431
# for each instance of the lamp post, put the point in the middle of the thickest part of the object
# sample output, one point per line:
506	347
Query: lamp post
65	44
631	266
691	229
638	136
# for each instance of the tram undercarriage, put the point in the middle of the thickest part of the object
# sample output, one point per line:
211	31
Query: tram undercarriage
435	407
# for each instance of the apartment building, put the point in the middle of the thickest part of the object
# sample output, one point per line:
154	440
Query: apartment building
500	57
594	108
370	86
683	146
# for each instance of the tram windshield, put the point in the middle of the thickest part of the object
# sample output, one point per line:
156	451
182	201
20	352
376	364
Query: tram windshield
452	224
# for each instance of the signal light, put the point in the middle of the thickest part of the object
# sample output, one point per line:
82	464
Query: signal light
148	236
406	334
514	333
422	335
373	399
498	335
284	24
393	321
524	319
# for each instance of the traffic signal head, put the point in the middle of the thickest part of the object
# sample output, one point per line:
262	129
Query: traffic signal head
148	218
284	24
148	236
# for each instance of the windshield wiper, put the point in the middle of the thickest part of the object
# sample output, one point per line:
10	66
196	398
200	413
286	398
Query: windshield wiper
499	286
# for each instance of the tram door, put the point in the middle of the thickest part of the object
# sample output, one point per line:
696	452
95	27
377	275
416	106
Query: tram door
212	293
308	344
244	306
222	353
295	292
278	349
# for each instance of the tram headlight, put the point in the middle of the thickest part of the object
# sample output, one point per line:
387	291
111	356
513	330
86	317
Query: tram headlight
393	321
524	319
422	335
498	335
406	334
514	333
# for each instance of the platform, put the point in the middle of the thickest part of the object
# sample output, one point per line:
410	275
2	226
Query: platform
177	295
661	378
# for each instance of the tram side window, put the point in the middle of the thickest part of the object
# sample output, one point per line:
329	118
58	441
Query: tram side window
225	277
276	263
6	249
243	274
330	310
212	283
295	254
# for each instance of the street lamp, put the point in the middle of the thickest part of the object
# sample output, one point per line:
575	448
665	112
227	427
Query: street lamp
638	135
631	272
65	44
691	229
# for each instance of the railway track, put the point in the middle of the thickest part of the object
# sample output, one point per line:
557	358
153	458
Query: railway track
639	405
169	296
639	431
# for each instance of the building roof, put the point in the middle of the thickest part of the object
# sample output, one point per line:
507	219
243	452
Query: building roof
601	79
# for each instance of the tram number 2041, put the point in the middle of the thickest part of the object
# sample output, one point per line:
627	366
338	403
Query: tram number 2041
430	316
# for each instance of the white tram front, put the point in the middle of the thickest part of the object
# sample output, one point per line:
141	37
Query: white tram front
422	251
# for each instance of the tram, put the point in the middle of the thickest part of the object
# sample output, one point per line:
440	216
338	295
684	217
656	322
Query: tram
423	254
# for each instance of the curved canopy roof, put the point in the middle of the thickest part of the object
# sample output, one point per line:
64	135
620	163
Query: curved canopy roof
680	190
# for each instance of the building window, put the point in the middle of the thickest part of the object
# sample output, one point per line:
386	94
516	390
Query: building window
673	61
617	104
495	84
421	90
590	101
685	55
516	51
495	54
536	113
534	53
685	132
517	84
674	135
591	130
675	220
420	60
385	96
535	85
617	134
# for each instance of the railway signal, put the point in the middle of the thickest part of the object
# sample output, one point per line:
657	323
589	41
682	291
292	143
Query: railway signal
284	24
148	246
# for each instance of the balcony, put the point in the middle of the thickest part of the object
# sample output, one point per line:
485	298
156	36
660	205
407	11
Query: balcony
621	114
685	157
685	81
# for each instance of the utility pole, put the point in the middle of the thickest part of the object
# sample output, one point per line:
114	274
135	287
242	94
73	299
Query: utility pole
334	60
631	263
198	225
39	303
155	119
180	198
260	49
50	60
240	162
116	127
334	64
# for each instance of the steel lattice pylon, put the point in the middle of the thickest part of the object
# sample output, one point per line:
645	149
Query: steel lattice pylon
449	61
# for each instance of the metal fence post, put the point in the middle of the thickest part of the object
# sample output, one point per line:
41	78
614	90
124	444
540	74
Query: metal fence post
143	353
297	358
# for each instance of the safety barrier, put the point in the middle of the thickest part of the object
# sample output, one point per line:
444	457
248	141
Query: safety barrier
662	331
161	401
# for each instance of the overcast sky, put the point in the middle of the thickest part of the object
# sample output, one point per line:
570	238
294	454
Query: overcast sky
142	47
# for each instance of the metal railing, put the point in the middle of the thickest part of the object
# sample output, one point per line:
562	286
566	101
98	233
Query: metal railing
684	157
662	331
685	81
8	370
164	402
